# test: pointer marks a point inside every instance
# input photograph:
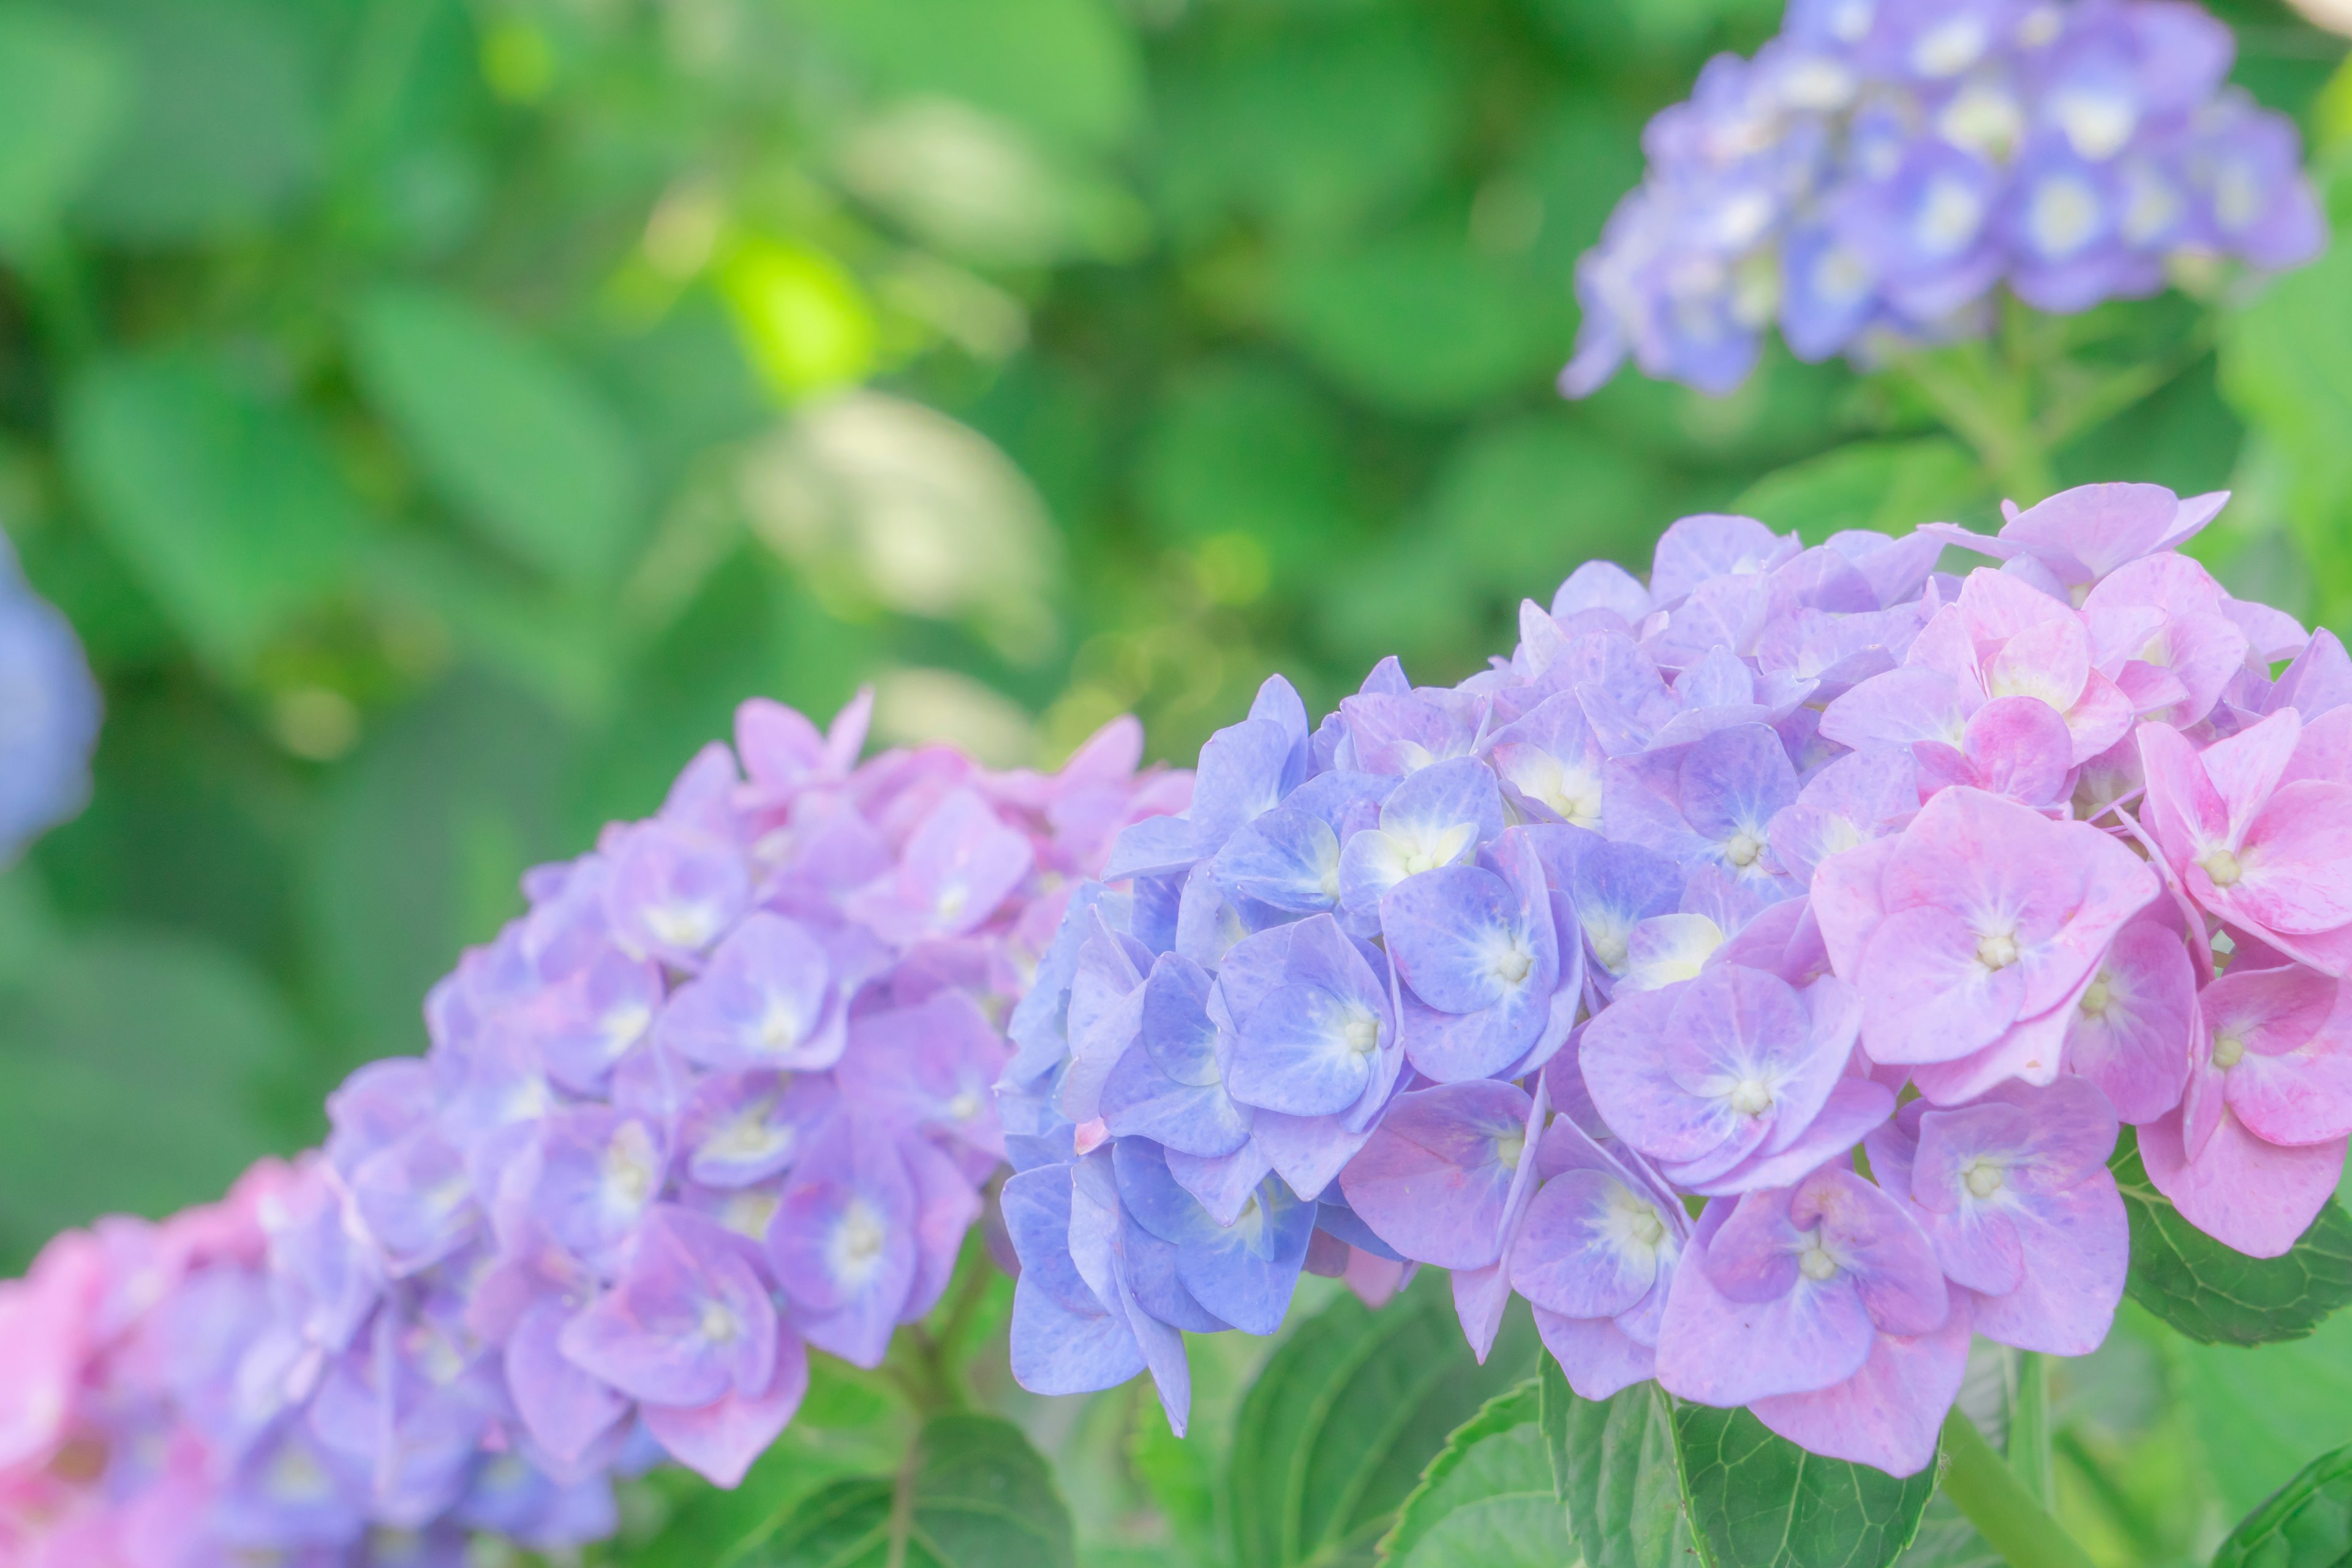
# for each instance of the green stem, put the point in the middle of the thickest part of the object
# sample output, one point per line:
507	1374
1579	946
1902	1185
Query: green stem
1981	1486
2028	1429
1988	403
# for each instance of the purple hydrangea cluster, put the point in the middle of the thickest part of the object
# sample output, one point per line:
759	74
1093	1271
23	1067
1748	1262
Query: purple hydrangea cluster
1752	971
723	1095
49	708
1866	180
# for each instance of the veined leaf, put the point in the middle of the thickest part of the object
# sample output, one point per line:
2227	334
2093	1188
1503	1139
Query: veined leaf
1486	1499
2306	1523
1336	1431
1760	1502
2210	1291
1615	1467
976	1494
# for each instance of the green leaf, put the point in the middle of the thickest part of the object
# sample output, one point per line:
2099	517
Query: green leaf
1486	1499
1248	449
974	1494
2306	1523
1616	1469
225	126
137	1065
1067	69
1420	324
420	842
845	1431
506	433
62	93
1946	1540
2262	1412
2215	1294
1335	1432
227	508
1891	486
1760	1502
2286	367
1523	504
1312	127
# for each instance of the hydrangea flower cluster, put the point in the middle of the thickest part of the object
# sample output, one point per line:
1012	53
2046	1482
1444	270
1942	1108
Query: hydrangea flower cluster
720	1096
1752	971
1866	180
48	713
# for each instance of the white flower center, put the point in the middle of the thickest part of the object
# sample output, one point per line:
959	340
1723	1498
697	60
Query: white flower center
2228	1050
1750	1097
1815	1261
719	1324
685	926
1997	950
1361	1031
855	1252
1983	1180
1742	850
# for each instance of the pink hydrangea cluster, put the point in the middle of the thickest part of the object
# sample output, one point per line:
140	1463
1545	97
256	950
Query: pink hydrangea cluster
1752	971
720	1096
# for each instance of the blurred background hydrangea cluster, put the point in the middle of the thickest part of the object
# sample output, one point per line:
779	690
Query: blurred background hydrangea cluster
433	417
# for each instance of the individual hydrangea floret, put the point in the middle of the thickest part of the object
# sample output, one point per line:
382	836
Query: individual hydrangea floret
1753	972
1873	172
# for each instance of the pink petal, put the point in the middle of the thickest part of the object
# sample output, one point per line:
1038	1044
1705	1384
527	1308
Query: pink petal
1720	1351
1889	1414
1597	1356
2135	1048
2296	862
719	1440
1926	996
2077	1250
2256	1197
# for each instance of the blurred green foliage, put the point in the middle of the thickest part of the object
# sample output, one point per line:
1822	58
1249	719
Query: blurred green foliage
436	415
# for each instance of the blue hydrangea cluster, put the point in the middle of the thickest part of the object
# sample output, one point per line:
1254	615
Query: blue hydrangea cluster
1876	171
48	714
1589	978
720	1097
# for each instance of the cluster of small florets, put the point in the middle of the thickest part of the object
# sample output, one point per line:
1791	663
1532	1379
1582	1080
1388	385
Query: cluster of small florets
1872	173
48	714
1841	903
721	1096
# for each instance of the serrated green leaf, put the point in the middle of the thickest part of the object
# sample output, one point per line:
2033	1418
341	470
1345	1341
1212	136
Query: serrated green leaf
227	506
2215	1294
1760	1502
1616	1469
1891	486
507	434
1946	1540
1486	1499
975	1495
1335	1432
62	93
2306	1523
